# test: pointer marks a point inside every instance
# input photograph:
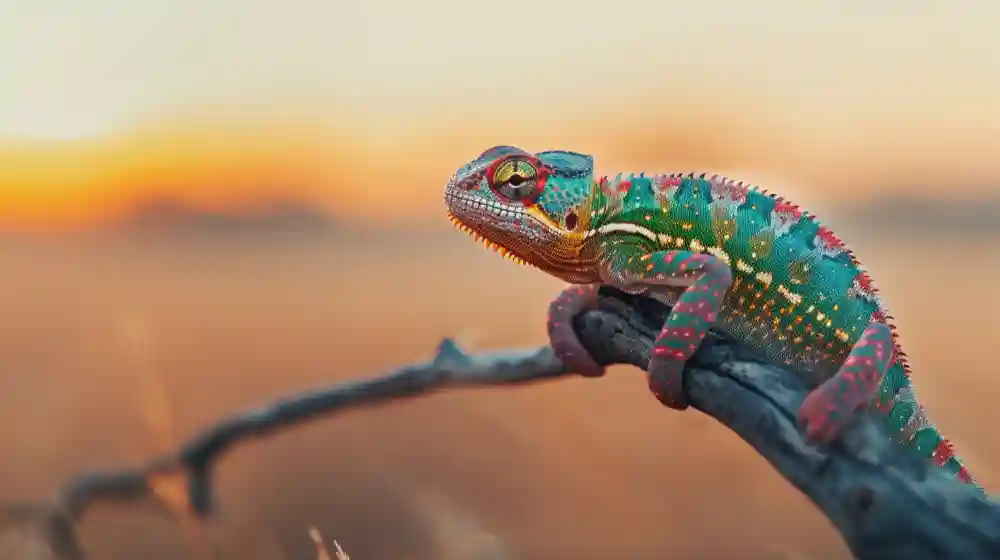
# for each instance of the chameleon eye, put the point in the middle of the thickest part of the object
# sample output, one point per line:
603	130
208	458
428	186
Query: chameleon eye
517	179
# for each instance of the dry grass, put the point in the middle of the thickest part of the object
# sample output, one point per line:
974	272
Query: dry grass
322	552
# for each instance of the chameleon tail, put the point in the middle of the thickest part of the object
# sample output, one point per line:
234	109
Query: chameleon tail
905	416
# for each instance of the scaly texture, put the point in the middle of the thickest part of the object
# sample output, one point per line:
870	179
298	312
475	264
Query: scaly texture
724	254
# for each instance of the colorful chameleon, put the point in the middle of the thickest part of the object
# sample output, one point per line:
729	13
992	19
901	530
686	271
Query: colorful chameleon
723	254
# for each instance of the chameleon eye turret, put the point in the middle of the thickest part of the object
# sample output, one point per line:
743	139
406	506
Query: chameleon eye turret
517	178
527	207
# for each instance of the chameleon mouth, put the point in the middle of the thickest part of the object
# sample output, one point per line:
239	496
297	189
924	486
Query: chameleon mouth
503	251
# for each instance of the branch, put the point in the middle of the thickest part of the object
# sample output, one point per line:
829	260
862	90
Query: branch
884	502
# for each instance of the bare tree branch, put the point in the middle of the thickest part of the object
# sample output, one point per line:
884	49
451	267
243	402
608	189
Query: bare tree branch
885	502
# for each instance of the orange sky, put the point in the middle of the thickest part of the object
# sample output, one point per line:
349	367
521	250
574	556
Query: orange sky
212	164
228	164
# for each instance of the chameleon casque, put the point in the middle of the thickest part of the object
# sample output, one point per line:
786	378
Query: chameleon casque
724	254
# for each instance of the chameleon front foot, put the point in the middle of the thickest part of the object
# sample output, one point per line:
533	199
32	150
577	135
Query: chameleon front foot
562	336
706	279
828	408
666	380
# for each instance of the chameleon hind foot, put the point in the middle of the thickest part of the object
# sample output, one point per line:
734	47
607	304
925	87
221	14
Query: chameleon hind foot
828	408
666	382
562	336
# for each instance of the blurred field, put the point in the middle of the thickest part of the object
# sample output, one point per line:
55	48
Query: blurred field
579	469
339	116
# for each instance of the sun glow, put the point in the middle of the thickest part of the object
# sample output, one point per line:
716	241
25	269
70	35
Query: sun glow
207	164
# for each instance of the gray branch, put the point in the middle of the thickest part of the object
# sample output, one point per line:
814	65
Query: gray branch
886	503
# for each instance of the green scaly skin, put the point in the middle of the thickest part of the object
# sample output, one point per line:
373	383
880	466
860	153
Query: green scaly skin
723	254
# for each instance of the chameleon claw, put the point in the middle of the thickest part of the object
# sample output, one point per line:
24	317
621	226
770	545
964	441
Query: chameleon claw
818	419
576	358
666	382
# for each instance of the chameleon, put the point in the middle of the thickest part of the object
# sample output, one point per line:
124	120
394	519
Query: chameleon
724	254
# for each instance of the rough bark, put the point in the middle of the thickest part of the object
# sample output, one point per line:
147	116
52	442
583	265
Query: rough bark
884	502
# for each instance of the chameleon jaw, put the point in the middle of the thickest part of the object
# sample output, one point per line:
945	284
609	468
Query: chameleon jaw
523	235
503	251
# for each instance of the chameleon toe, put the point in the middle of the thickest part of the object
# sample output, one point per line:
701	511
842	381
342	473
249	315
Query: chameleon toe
820	418
666	382
575	356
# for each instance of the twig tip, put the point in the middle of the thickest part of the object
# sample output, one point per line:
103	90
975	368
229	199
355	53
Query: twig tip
449	351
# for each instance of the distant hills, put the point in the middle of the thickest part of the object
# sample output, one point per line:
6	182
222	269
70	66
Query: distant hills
921	217
955	218
171	216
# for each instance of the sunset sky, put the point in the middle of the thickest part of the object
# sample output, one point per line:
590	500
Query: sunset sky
230	102
118	344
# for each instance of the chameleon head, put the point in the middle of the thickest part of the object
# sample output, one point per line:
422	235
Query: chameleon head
528	207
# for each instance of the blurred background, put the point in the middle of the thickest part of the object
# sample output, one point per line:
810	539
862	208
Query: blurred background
206	205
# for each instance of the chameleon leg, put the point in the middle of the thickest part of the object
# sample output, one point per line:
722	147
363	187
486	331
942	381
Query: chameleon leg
828	408
567	347
704	279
